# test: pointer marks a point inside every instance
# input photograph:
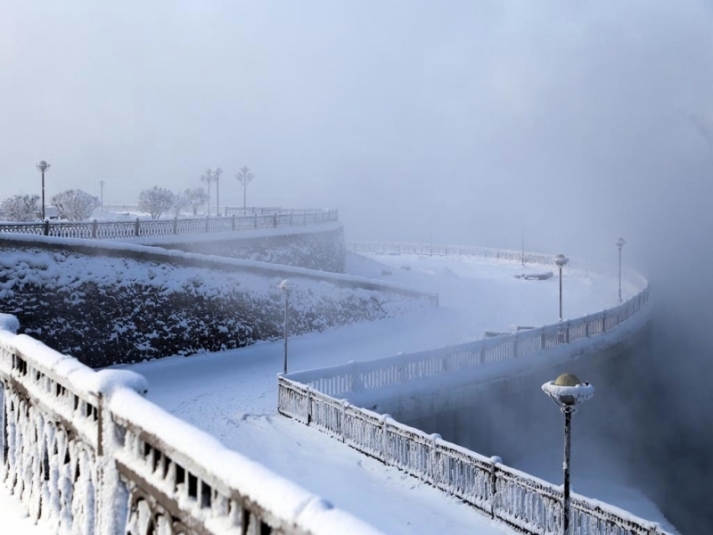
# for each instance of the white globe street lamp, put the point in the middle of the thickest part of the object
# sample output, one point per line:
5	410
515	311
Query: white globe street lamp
42	167
561	261
286	289
568	392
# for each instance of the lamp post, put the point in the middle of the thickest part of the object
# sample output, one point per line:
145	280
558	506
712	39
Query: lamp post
561	261
620	243
216	174
286	289
101	185
42	167
567	391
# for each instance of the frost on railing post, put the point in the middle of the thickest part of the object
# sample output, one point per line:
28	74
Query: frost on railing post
567	334
207	219
542	339
226	213
385	438
136	227
493	483
344	404
255	225
274	220
433	458
47	227
309	405
175	225
95	226
514	345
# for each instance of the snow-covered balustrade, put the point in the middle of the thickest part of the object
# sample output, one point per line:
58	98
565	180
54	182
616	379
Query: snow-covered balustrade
87	454
392	248
140	228
319	398
356	377
530	504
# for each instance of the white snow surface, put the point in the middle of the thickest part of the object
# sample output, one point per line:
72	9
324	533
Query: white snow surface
232	395
14	518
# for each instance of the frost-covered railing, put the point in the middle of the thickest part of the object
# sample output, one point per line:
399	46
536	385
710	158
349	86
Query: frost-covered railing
87	454
140	228
226	210
374	374
530	504
315	398
448	250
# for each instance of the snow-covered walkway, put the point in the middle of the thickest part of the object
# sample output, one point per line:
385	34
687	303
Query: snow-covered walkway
233	394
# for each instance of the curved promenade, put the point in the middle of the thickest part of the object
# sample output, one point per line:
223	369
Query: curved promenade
319	398
173	477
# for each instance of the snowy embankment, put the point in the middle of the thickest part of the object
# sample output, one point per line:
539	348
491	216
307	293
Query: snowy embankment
232	394
313	247
111	303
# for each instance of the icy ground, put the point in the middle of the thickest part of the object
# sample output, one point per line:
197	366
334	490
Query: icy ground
14	519
233	394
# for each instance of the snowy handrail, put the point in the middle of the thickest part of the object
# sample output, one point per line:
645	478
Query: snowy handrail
138	228
87	453
315	398
528	503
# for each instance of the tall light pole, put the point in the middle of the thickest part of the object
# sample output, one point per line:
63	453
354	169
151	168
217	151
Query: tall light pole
286	289
101	185
216	176
561	261
620	244
567	391
42	167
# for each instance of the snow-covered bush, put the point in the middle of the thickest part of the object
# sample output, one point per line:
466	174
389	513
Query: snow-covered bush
156	201
197	197
20	207
75	204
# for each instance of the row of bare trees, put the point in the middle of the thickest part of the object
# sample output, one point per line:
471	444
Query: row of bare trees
158	201
78	205
73	204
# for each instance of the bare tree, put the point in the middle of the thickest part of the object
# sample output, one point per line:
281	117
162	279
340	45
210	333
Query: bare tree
156	201
210	176
196	197
75	204
20	207
245	177
180	202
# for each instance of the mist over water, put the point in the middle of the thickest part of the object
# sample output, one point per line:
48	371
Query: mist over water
464	123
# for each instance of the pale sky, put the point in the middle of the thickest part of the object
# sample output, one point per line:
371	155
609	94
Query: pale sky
458	122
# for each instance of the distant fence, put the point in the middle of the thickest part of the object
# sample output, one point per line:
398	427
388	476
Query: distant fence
87	454
225	210
138	228
523	501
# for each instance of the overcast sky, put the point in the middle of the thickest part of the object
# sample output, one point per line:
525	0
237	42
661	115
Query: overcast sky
458	122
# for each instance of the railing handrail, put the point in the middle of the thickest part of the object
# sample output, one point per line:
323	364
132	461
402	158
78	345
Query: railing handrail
130	438
140	228
365	375
311	397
